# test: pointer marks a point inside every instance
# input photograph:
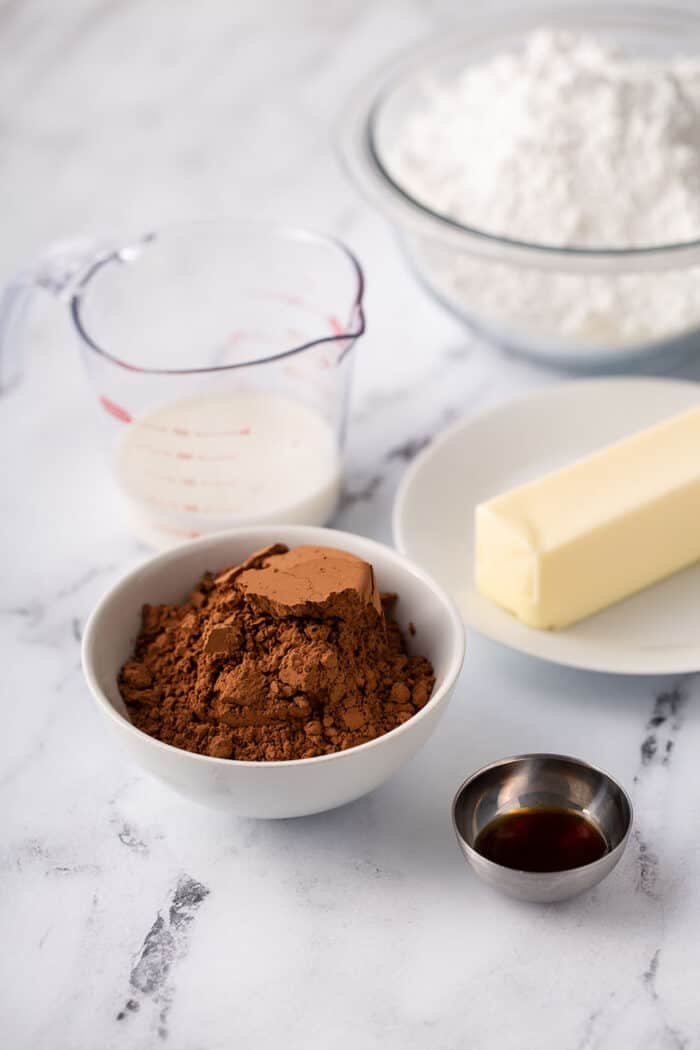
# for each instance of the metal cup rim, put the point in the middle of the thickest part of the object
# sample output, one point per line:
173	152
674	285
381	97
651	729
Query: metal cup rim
470	851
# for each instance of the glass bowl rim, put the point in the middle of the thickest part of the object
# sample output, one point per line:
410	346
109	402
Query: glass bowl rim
486	27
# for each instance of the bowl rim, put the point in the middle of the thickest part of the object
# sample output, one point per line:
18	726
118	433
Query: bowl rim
224	225
362	156
472	853
165	558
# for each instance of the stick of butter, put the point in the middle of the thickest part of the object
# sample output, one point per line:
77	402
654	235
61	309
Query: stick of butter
575	541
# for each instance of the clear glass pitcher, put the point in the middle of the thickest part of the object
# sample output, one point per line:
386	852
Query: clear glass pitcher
219	353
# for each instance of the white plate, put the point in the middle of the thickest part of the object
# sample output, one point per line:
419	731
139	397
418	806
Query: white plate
654	632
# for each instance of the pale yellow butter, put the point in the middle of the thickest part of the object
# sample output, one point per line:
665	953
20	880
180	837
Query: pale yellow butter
575	541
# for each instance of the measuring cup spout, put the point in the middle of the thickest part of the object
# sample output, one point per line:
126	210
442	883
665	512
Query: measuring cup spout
59	271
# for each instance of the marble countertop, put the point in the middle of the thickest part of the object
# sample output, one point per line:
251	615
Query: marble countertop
132	919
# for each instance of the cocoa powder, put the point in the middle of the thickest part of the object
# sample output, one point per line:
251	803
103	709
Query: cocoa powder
290	655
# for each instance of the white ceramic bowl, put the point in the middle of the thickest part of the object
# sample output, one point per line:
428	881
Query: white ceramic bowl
270	789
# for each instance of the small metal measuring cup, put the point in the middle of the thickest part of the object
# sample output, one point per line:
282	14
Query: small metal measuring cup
525	781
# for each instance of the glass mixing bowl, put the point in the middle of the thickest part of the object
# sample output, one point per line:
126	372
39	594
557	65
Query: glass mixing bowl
460	263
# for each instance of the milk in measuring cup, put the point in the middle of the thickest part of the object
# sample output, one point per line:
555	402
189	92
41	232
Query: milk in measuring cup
217	460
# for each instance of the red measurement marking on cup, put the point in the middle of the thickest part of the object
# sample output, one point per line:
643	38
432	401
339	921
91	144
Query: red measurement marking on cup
188	508
115	410
172	479
146	424
174	506
243	432
296	300
240	335
233	457
182	432
167	453
190	534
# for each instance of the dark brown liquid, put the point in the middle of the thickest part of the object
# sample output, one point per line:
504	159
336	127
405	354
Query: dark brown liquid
541	838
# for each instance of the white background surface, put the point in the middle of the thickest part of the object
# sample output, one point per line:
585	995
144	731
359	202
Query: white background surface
359	928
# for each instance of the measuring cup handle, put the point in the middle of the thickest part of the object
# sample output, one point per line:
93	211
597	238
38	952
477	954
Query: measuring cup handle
59	270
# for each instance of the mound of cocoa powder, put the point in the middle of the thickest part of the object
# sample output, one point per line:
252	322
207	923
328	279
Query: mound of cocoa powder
292	654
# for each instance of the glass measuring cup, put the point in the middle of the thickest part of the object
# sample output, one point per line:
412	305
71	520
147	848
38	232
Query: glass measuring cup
220	356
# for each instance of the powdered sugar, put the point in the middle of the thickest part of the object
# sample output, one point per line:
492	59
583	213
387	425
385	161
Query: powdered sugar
531	307
567	143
